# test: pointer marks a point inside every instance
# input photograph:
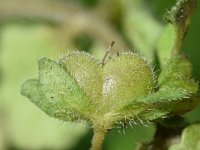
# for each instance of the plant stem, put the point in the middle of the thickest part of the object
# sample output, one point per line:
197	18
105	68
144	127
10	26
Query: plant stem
180	16
179	36
98	139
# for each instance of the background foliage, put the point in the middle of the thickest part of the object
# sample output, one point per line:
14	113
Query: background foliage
30	29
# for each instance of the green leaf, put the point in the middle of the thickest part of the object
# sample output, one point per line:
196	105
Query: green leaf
19	62
58	90
120	80
87	71
82	88
121	89
33	90
185	105
152	106
174	100
62	89
189	139
138	113
126	77
177	74
164	96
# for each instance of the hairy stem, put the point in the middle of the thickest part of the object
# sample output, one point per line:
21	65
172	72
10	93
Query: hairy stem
180	16
179	36
98	139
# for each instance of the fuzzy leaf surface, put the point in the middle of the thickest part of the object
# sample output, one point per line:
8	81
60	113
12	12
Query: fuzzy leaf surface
177	74
33	90
126	77
80	87
60	90
87	71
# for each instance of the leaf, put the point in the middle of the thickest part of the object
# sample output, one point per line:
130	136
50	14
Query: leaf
158	105
175	88
189	139
152	115
177	74
121	89
60	91
87	71
33	90
185	105
164	96
126	77
113	84
80	87
138	113
152	106
18	62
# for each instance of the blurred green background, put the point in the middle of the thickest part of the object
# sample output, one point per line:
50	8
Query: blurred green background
31	29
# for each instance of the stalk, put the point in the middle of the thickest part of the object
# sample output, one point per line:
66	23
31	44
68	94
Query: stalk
97	140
